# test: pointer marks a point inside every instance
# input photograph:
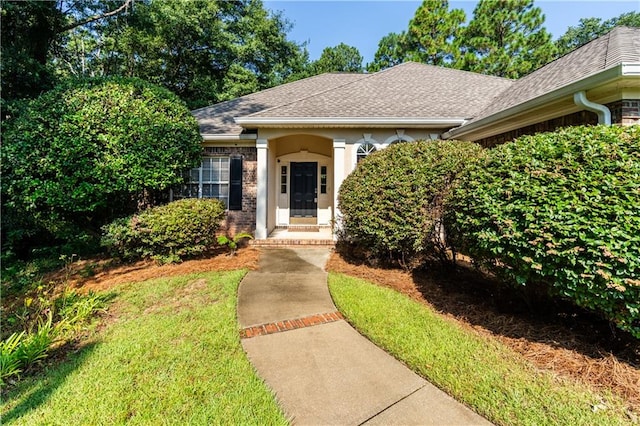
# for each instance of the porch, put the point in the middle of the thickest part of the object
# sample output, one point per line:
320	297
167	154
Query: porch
300	235
297	180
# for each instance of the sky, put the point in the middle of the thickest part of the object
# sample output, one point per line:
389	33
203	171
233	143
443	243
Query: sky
362	23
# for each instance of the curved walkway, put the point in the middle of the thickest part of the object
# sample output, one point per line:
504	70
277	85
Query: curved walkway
322	371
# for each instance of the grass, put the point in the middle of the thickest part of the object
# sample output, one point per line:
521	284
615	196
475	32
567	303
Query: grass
169	354
483	374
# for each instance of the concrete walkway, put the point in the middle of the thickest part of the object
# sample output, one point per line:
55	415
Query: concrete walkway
322	371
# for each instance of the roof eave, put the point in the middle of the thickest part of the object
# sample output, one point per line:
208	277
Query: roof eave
440	123
223	137
624	69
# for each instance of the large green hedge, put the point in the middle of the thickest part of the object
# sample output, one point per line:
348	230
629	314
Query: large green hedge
391	203
560	211
168	233
84	152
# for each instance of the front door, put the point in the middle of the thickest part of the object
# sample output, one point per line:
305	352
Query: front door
304	189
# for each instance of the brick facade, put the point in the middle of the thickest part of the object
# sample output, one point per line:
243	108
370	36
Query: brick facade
241	220
625	112
575	119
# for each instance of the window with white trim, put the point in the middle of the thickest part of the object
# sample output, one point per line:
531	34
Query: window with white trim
364	150
210	180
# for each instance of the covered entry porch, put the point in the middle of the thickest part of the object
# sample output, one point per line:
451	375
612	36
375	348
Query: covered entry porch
298	176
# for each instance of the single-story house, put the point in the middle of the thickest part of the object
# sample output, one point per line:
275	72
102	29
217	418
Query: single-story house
278	157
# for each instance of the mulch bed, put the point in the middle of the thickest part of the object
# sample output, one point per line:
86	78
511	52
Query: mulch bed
106	274
564	340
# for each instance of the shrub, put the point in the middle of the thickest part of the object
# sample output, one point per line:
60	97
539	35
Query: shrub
88	151
391	203
560	210
172	232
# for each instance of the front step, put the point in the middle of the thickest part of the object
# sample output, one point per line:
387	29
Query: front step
282	242
303	228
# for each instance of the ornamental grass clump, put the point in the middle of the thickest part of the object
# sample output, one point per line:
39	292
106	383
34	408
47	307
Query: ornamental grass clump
391	203
168	233
558	212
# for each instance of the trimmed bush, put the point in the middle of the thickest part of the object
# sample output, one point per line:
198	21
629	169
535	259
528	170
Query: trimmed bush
168	233
560	211
391	203
89	151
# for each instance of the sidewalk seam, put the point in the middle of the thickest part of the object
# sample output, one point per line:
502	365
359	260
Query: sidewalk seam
290	324
391	405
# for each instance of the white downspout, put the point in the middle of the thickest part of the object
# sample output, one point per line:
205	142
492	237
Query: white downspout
604	115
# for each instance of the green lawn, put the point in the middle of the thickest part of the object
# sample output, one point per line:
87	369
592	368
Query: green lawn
170	353
483	374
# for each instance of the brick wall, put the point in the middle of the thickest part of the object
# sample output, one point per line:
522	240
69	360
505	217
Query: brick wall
625	112
241	220
575	119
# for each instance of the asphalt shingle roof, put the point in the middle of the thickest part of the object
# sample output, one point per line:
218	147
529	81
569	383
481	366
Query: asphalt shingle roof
408	90
622	44
415	91
219	118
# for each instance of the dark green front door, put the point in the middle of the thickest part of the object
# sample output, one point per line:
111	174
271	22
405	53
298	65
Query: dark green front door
304	189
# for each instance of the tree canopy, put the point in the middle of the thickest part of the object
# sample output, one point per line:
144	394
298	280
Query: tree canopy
504	38
205	51
32	30
592	28
86	152
341	58
392	50
432	32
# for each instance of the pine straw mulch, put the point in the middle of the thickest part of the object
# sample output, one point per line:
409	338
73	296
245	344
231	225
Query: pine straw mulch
567	343
105	274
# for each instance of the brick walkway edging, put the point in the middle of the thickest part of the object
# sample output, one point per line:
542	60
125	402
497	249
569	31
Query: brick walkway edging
280	326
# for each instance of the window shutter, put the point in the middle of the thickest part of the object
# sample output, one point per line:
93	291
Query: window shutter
235	184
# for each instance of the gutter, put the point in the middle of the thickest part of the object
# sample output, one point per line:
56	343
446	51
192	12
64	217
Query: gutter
625	69
228	137
351	122
604	115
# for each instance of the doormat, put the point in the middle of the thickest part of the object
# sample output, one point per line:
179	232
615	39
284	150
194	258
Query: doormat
304	228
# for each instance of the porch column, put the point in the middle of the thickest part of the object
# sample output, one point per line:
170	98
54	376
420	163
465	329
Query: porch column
338	173
262	188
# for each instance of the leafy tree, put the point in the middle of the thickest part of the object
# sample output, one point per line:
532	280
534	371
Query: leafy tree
204	51
505	38
430	38
432	31
392	50
86	152
591	28
30	30
341	58
26	30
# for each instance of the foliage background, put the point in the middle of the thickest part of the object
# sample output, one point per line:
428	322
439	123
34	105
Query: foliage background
92	150
559	213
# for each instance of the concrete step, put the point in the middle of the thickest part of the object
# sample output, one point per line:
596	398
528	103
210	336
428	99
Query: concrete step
284	242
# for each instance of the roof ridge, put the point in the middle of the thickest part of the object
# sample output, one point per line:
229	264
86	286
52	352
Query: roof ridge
315	93
442	67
